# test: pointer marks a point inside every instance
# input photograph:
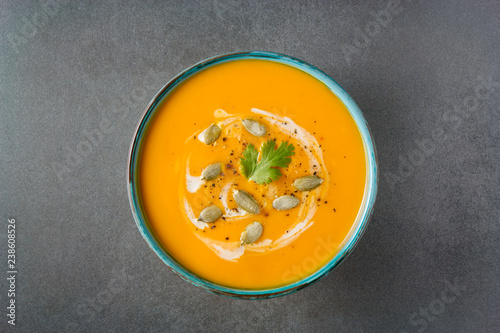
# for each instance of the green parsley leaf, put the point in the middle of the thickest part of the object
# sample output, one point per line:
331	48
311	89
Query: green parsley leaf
266	170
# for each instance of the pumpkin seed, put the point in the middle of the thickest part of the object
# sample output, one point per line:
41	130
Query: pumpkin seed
209	135
211	172
307	183
254	127
246	202
210	214
252	233
285	202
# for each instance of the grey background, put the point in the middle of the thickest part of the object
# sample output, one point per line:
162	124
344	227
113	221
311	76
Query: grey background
84	267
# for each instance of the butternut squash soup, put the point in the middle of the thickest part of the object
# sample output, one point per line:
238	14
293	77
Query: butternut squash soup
251	174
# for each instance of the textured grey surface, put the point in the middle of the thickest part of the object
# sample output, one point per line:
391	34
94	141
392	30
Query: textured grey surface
427	78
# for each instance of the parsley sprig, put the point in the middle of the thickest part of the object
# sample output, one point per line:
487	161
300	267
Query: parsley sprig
266	170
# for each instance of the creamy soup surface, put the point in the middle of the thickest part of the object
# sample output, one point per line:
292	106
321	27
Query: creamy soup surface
295	110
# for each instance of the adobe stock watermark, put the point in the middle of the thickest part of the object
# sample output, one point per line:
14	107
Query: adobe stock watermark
426	315
30	25
364	37
90	307
325	246
75	155
452	118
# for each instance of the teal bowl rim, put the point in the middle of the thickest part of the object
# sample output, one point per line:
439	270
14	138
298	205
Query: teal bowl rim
363	214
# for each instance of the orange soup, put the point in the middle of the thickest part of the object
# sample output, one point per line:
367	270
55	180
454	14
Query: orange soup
274	122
